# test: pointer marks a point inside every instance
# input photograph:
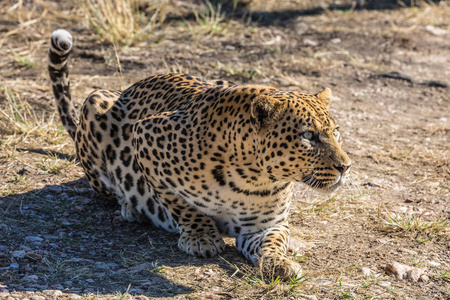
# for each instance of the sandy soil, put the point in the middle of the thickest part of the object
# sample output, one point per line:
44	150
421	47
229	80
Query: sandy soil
389	71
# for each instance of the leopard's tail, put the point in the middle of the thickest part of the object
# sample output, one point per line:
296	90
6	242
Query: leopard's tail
58	53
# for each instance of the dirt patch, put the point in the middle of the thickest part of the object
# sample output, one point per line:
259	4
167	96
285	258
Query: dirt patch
59	239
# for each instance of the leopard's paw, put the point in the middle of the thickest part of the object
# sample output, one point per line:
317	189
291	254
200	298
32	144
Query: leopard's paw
282	267
130	213
205	245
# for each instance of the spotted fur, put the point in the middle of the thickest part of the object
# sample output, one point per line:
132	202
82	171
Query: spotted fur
204	158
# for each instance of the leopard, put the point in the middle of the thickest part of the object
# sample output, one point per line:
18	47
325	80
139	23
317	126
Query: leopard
204	158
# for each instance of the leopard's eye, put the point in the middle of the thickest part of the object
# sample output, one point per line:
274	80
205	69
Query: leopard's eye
309	135
336	133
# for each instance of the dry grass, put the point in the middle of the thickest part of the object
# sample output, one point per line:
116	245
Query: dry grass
19	119
429	13
54	165
272	285
32	20
411	223
210	20
123	22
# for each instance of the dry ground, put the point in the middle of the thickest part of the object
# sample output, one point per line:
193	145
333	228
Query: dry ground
59	239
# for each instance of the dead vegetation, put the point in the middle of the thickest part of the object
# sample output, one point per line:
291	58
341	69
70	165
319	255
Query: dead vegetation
58	238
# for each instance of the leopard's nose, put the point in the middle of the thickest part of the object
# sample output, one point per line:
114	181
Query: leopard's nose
342	168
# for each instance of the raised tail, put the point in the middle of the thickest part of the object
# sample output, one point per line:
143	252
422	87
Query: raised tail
58	53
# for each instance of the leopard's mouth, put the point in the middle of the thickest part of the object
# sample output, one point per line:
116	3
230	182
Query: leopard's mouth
320	185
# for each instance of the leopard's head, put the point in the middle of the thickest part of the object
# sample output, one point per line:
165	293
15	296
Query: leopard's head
298	140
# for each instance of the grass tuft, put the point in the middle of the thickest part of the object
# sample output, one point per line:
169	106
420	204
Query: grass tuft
413	223
18	117
24	61
249	74
252	277
54	165
124	22
211	19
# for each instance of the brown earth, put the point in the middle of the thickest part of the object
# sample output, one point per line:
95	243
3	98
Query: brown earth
389	70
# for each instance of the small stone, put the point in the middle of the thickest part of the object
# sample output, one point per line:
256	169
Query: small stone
401	209
112	265
74	296
79	208
3	295
215	289
309	297
434	263
309	42
34	239
210	296
136	291
424	278
65	222
30	278
57	287
90	280
32	256
209	272
435	30
37	297
14	265
80	199
415	274
140	267
101	265
397	269
80	260
404	271
53	188
18	254
336	41
297	246
366	271
52	293
408	251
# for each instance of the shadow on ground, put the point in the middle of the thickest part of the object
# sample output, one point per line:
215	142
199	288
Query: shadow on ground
284	17
68	238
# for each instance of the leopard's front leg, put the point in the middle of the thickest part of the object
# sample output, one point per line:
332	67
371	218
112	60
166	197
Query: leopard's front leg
267	250
199	233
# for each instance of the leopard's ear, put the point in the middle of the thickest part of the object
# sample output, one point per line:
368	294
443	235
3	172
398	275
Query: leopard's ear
266	111
325	97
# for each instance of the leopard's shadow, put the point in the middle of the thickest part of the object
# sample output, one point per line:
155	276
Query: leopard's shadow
76	241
